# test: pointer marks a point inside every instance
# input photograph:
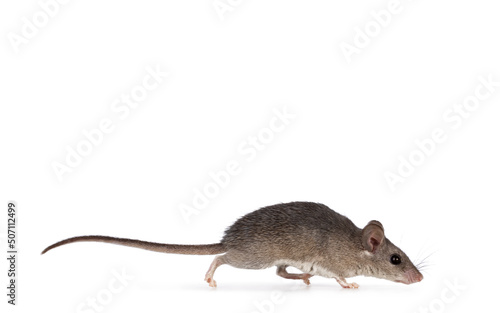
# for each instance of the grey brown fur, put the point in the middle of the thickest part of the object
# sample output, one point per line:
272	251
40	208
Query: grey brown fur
305	235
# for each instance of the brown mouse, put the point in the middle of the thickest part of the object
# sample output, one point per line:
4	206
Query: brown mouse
308	236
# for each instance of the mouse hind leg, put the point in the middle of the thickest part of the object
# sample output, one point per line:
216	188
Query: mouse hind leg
209	277
281	271
238	259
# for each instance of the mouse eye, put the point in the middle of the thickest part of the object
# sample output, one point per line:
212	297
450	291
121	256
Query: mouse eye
395	259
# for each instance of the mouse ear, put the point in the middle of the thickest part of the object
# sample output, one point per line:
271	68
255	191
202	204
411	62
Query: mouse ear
373	236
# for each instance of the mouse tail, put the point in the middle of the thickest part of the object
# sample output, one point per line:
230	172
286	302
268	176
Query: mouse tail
215	248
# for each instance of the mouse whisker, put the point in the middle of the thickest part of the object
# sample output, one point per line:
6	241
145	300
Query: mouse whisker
426	258
424	266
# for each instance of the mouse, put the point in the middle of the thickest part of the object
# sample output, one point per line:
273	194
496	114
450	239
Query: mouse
308	236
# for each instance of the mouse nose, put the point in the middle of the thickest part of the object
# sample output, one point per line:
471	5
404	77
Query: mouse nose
414	277
419	277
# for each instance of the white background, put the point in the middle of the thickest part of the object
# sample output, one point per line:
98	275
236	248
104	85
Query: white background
352	122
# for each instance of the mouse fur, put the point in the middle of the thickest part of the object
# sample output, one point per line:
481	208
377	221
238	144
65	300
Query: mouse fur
308	236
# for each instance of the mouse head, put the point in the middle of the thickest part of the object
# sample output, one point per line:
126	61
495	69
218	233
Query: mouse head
384	259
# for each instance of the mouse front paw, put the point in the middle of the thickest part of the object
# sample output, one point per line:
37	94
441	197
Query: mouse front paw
351	285
347	285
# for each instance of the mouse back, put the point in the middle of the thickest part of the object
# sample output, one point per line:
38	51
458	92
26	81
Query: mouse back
297	229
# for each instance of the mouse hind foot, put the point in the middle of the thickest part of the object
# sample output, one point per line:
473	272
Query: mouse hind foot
281	271
209	276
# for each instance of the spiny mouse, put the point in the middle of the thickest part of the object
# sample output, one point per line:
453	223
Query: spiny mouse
308	236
